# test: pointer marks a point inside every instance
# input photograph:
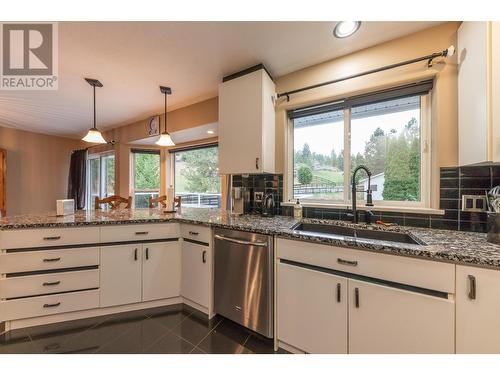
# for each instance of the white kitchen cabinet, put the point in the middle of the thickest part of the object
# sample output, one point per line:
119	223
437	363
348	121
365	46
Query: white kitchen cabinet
312	310
478	310
121	274
384	319
479	92
161	270
196	272
247	124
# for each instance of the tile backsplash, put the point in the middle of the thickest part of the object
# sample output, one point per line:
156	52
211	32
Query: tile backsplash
266	183
454	182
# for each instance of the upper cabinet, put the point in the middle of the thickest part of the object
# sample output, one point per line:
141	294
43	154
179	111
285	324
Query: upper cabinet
479	92
247	123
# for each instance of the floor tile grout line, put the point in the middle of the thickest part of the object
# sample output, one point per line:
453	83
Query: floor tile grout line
208	334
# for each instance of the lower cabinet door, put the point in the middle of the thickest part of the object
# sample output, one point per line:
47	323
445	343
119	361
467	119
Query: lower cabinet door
121	277
478	310
390	320
161	270
196	265
312	310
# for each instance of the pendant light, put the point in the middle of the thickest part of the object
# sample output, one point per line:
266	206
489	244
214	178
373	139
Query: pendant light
165	138
94	135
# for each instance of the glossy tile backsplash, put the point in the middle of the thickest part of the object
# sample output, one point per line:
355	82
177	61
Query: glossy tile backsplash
454	182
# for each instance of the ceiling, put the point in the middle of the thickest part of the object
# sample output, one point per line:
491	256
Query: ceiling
132	59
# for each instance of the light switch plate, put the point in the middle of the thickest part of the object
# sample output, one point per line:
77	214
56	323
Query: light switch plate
474	203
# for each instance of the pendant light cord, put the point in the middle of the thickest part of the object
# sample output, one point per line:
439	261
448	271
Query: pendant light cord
94	109
166	114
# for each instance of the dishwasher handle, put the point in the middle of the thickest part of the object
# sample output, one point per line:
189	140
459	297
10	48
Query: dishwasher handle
240	242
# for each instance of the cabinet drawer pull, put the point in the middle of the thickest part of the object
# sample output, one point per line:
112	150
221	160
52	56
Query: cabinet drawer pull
204	256
347	262
51	283
193	233
472	287
147	253
141	233
256	163
48	305
48	260
52	238
135	254
356	297
338	292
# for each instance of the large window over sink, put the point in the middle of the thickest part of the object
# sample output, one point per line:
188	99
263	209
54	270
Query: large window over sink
387	131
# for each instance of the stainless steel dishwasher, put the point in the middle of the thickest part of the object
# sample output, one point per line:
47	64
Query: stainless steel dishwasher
244	278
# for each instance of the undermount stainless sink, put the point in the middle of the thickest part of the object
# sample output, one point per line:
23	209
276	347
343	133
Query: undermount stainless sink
356	233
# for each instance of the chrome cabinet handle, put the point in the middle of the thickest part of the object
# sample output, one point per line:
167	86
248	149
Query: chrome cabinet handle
147	253
48	305
338	292
52	283
204	256
193	233
140	233
472	287
240	242
47	260
356	297
52	238
347	262
135	254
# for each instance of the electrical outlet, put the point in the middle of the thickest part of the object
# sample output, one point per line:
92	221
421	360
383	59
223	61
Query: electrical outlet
474	203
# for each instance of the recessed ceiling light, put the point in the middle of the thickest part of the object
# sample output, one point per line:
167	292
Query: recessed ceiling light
343	29
210	132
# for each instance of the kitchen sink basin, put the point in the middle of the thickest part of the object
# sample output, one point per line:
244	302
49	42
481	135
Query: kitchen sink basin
322	230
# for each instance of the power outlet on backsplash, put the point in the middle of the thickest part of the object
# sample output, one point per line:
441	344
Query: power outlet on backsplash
473	203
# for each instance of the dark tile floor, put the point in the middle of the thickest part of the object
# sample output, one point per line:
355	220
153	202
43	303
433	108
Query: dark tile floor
174	329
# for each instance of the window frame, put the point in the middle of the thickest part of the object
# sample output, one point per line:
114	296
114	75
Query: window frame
102	176
171	163
133	190
425	162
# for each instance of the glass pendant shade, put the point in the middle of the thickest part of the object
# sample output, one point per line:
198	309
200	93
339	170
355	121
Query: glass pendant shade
94	136
165	140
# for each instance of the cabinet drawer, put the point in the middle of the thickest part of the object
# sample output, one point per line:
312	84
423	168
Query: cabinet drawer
48	259
24	286
196	232
139	232
27	238
48	305
427	274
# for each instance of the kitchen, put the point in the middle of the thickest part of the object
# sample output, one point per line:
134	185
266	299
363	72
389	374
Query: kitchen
284	198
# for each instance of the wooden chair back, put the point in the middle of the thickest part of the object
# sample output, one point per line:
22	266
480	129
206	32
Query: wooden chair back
114	202
162	201
158	201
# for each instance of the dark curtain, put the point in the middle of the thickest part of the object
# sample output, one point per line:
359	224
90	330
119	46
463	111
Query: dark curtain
77	178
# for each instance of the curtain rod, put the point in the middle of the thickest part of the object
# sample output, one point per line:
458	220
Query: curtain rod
450	51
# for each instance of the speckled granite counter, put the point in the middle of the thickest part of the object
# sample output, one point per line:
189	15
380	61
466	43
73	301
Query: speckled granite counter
442	245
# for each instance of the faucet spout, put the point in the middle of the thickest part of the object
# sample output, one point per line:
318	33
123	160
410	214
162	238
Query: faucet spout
369	199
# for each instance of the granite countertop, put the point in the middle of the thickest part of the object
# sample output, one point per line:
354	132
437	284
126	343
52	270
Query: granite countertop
441	245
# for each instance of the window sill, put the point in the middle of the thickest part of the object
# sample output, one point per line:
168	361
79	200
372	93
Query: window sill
416	210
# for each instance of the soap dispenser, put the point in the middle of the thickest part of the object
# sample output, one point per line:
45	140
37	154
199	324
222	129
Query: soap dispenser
297	210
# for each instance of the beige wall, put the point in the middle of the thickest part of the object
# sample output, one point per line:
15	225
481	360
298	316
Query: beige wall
37	170
444	97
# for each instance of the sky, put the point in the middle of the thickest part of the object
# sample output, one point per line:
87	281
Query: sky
322	138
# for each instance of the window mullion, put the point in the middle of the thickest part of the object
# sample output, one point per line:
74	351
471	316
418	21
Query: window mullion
347	153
